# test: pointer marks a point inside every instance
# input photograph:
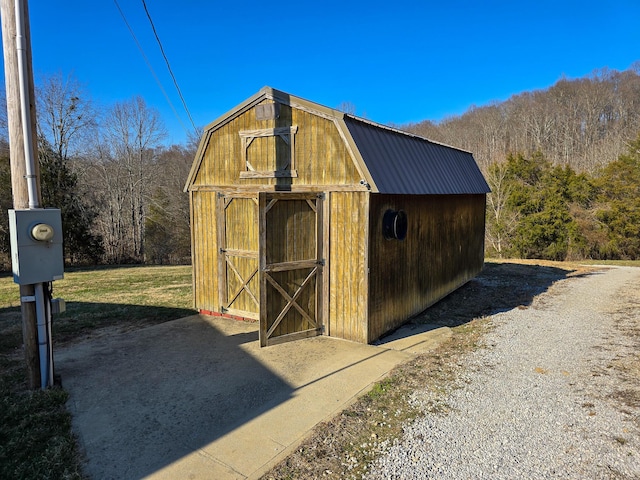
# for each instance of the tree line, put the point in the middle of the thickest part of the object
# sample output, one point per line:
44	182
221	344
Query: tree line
545	211
584	123
118	186
563	165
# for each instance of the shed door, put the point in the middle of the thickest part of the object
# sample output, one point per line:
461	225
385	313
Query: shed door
238	255
291	264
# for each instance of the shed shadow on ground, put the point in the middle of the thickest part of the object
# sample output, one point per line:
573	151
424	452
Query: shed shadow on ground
91	319
143	399
501	286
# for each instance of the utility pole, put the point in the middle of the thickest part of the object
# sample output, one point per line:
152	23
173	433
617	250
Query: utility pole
18	154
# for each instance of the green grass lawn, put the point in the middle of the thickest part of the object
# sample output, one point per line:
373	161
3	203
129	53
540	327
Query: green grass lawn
36	441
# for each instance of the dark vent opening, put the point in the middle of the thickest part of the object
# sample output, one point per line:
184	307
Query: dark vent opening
394	225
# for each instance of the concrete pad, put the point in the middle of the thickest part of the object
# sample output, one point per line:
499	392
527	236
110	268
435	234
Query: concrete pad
198	398
417	339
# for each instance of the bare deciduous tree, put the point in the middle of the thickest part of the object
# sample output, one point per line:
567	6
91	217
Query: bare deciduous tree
66	116
582	123
168	229
66	119
501	221
125	165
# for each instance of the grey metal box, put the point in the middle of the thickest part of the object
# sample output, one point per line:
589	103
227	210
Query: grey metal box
268	111
36	261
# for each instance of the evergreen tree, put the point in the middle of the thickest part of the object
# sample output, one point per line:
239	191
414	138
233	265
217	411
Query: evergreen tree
6	202
542	199
619	205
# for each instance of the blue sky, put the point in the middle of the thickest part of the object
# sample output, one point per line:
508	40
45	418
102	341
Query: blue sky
396	61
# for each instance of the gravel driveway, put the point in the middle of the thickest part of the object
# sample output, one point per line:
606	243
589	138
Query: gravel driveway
556	393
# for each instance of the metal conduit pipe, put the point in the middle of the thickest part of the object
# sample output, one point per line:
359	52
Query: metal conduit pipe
43	337
49	313
43	319
25	106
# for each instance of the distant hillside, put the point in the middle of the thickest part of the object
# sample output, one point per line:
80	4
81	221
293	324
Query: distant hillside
584	123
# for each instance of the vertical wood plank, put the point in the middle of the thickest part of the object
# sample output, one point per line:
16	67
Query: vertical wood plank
364	291
211	232
350	251
221	202
326	270
338	280
262	259
194	271
319	256
205	250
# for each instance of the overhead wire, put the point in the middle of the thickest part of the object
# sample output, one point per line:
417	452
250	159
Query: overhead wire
175	81
155	76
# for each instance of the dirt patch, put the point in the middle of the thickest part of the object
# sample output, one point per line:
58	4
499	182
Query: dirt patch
345	446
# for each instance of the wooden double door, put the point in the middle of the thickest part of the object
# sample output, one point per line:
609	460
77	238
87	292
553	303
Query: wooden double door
271	262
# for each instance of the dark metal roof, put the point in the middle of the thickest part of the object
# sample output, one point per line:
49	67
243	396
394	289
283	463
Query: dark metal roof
403	163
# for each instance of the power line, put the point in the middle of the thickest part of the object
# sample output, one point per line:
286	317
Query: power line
135	39
175	82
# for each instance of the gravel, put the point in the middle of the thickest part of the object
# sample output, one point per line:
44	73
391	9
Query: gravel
541	400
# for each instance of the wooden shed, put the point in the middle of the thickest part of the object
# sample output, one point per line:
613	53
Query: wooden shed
317	222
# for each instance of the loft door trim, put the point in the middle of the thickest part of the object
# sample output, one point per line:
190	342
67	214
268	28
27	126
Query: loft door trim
287	134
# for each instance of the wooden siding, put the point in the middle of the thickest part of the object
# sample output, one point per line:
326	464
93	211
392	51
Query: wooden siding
348	283
204	251
444	249
320	154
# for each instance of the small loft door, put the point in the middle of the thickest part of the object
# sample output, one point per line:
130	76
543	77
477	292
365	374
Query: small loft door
291	266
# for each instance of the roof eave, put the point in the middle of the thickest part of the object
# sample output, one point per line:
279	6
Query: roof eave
404	132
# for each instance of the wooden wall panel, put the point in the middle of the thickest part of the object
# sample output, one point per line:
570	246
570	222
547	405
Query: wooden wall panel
348	287
444	249
321	157
204	248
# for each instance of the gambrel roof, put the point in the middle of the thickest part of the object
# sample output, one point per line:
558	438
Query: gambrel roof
390	160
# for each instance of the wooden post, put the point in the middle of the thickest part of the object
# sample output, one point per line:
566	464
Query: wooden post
18	165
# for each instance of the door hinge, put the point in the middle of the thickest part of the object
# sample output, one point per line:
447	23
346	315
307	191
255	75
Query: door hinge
320	262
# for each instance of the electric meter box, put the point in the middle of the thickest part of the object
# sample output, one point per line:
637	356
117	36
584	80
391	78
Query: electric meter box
36	245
